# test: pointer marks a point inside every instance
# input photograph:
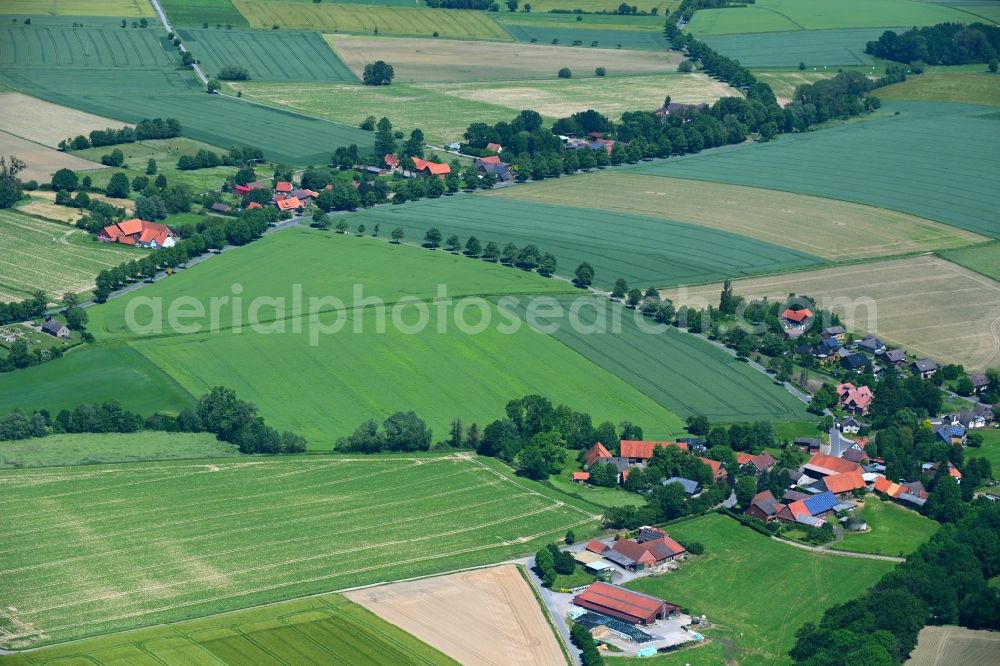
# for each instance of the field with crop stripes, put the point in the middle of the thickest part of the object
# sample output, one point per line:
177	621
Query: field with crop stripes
950	174
677	370
125	546
815	48
643	250
268	55
115	8
64	46
198	12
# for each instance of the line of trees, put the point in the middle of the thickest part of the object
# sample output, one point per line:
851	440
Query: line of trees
528	258
31	307
583	639
942	44
713	62
400	432
147	129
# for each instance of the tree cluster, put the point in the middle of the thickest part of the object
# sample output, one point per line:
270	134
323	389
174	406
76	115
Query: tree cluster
400	432
11	188
460	4
237	422
378	73
233	73
584	640
157	128
31	307
551	562
946	581
942	44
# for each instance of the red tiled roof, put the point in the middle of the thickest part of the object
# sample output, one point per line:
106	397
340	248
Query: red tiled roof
283	186
581	476
820	462
631	448
391	160
797	316
129	227
596	452
492	159
596	546
252	205
844	483
619	602
291	203
714	465
126	240
112	231
884	485
762	462
495	147
431	167
243	189
798	508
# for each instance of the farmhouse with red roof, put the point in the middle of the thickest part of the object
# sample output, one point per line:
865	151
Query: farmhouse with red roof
639	451
854	399
139	233
431	168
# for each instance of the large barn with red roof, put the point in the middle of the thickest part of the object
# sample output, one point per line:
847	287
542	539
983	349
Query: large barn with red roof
633	607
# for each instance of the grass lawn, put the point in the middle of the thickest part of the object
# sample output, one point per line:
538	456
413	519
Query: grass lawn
89	449
984	259
155	544
895	530
93	374
341	379
53	257
598	495
949	176
730	584
578	578
789	430
943	85
989	450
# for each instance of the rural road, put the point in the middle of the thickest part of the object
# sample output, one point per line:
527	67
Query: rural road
166	24
842	553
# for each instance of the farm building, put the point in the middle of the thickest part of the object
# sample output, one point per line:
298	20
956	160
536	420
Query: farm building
431	168
55	329
139	233
719	471
651	548
841	484
595	453
764	506
633	607
821	465
761	462
639	451
690	486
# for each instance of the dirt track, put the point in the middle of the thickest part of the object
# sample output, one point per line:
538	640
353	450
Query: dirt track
487	616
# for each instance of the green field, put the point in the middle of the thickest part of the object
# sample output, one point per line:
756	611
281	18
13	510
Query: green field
368	19
348	377
91	449
949	175
984	259
125	546
895	530
816	48
93	374
784	82
989	450
268	55
643	33
323	629
644	250
55	258
62	46
116	8
785	15
944	85
677	370
757	590
198	12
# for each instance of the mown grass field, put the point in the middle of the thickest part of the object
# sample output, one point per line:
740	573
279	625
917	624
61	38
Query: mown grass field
939	646
323	629
895	530
949	176
625	32
126	546
758	590
93	374
117	8
91	449
41	161
984	259
644	250
417	60
372	20
807	224
784	82
942	85
52	257
926	305
199	12
360	372
785	15
278	55
816	48
677	370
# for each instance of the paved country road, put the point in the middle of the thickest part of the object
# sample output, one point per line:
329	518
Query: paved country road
166	24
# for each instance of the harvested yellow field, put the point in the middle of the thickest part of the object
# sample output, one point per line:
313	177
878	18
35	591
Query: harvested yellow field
50	211
41	161
127	204
488	616
926	305
612	96
118	8
420	60
834	230
944	646
46	123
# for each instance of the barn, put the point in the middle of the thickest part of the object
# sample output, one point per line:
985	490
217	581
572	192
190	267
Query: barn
633	607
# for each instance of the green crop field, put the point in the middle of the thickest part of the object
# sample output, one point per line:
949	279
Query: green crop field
944	85
90	449
663	7
785	15
984	259
199	12
808	224
895	530
757	590
115	8
816	48
348	377
119	547
268	55
631	32
368	20
949	175
93	374
677	370
643	250
62	46
53	257
323	629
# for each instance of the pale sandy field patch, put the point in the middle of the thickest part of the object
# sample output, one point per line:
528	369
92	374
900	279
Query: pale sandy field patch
46	123
50	211
424	60
487	616
127	204
827	228
944	646
928	306
41	161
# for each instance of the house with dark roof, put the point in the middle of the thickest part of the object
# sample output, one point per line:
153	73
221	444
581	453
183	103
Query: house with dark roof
827	347
220	207
924	367
55	329
493	166
855	455
760	463
952	434
854	362
980	382
835	332
764	507
690	487
851	426
808	444
871	345
631	554
896	357
627	605
985	411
